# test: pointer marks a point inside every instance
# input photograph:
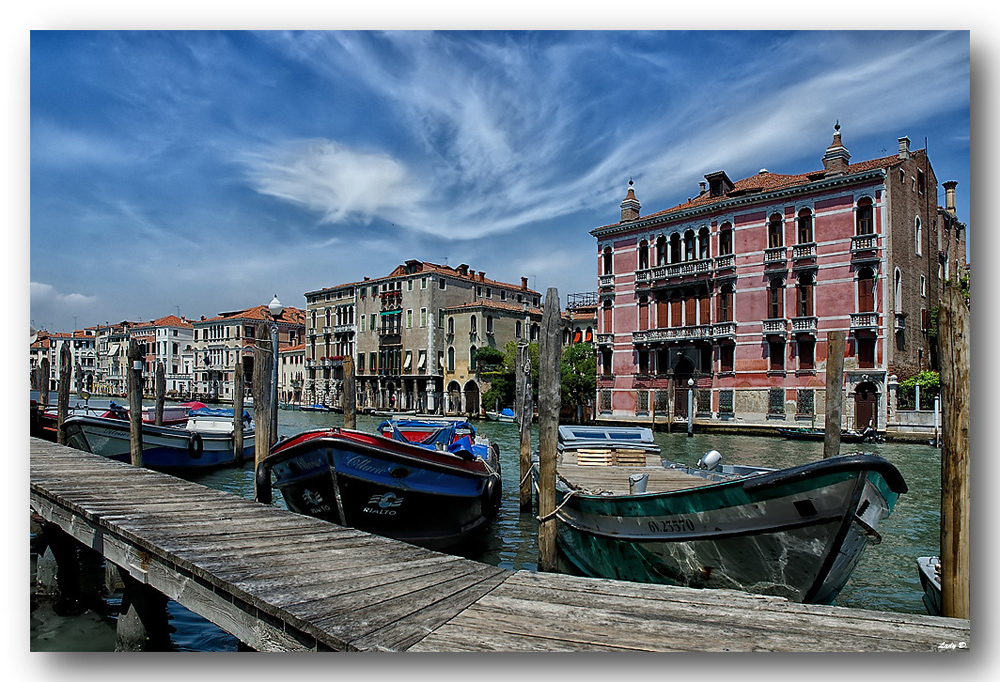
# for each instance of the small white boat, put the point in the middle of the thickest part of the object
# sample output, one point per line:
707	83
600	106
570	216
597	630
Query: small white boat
929	568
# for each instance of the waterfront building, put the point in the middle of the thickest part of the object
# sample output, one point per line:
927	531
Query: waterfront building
579	319
396	328
112	358
730	295
218	342
291	374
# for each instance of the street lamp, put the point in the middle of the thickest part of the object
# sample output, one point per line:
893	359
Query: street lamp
276	309
690	407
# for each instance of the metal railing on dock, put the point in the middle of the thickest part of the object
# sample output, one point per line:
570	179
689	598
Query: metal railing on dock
279	581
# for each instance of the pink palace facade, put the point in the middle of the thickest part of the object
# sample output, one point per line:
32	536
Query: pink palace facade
731	294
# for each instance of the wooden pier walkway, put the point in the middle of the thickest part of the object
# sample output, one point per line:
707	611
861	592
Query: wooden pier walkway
282	582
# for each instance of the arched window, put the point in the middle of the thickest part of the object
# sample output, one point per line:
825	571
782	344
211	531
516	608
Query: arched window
643	255
689	245
805	225
473	325
661	250
451	358
726	295
472	358
675	248
608	261
726	239
775	302
865	217
805	295
866	290
897	291
774	231
918	236
606	318
703	251
517	329
451	325
489	324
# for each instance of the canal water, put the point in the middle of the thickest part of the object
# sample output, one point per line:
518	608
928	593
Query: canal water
885	579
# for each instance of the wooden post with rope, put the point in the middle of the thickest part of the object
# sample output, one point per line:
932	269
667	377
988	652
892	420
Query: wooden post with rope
522	375
549	399
953	342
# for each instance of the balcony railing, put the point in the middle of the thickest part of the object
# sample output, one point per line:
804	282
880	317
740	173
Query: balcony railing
343	328
774	255
775	326
723	262
864	320
800	251
606	280
605	339
804	325
698	331
724	329
864	242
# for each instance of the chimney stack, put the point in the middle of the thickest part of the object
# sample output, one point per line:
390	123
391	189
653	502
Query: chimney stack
701	187
904	147
630	206
949	195
836	159
524	282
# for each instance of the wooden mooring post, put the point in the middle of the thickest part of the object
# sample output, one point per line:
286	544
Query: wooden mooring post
350	397
835	344
524	415
135	401
62	399
549	399
43	382
159	393
953	341
238	389
263	359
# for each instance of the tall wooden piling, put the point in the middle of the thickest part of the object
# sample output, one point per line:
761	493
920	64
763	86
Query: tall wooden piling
65	378
835	344
263	361
350	394
238	389
135	401
43	382
159	393
953	343
549	400
522	375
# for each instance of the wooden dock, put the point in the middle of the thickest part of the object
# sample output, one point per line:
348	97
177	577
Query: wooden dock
282	582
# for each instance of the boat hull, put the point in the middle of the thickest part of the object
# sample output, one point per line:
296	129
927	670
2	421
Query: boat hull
365	481
165	448
796	533
930	582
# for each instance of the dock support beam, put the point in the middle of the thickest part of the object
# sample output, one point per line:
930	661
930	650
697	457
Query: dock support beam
135	402
350	395
524	417
238	389
142	623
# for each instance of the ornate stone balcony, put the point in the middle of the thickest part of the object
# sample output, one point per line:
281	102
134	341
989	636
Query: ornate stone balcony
699	331
775	327
803	251
775	256
865	321
804	325
723	330
605	339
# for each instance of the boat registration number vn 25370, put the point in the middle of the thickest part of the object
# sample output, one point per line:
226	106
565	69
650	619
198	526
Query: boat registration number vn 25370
670	525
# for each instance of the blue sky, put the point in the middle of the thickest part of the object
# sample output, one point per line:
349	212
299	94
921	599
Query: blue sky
197	172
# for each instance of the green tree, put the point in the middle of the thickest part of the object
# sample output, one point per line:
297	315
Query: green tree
578	374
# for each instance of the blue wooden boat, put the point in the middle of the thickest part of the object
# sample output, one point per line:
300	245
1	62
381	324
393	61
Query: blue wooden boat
317	407
796	532
204	442
504	415
433	484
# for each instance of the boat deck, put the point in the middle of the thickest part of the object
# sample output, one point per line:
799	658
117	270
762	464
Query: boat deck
608	470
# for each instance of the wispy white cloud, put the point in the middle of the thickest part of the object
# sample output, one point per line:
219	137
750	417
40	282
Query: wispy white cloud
46	294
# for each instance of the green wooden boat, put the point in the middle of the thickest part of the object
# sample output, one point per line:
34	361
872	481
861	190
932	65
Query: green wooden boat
796	532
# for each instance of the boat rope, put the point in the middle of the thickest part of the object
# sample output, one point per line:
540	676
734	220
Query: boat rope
571	493
526	477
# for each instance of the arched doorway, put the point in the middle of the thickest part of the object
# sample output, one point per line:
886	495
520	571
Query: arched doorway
683	371
472	398
454	405
865	405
